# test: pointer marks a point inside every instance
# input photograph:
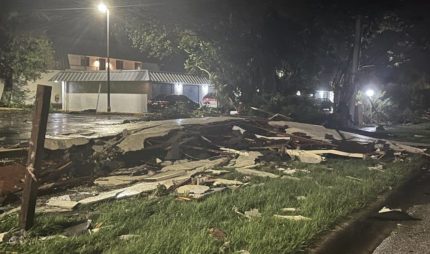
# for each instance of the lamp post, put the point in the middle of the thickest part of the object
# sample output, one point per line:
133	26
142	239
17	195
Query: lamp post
104	9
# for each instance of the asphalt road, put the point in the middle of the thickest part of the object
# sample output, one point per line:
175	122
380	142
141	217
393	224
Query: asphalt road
412	236
15	126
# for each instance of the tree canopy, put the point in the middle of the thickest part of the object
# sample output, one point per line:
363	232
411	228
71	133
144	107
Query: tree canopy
23	57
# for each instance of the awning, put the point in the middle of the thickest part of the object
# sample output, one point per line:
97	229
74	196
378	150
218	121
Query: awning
116	75
172	78
130	75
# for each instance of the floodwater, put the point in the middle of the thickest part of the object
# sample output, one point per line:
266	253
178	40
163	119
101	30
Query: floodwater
15	127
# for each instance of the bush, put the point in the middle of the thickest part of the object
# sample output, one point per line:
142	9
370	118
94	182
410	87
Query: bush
299	108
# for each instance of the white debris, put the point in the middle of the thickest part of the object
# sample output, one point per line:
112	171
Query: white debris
271	138
289	171
63	198
237	128
220	181
128	237
377	168
253	213
289	209
2	236
65	204
292	217
253	172
387	210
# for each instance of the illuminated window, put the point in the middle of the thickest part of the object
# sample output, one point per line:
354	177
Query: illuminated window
119	65
102	64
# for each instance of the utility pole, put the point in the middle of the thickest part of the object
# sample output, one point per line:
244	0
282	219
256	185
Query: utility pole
355	64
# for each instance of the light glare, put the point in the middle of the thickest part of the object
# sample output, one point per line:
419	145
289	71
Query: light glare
102	8
370	92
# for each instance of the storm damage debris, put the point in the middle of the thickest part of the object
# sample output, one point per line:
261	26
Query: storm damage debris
188	157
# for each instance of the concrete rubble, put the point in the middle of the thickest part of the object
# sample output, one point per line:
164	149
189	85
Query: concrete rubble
192	156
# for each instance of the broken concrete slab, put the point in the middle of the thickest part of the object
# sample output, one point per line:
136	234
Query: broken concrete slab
319	132
200	164
61	198
305	156
217	172
195	189
138	189
63	143
135	141
101	197
65	204
253	172
246	160
165	175
117	180
209	192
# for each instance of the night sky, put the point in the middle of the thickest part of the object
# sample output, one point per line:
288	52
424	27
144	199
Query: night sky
75	26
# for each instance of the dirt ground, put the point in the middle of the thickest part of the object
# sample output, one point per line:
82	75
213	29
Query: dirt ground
11	177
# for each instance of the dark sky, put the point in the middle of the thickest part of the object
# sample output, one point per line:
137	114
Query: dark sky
75	26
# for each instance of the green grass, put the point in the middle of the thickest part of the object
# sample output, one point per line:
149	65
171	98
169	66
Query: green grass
166	225
412	133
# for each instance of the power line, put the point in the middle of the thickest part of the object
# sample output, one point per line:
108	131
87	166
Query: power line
93	8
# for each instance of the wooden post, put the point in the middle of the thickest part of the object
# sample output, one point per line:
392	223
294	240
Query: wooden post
35	150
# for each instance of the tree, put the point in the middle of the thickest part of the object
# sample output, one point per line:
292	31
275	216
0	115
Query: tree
22	58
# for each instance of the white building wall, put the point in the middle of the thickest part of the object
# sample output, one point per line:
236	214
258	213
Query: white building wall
31	87
120	103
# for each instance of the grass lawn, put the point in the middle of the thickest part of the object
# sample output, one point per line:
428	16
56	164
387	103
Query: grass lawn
167	225
419	133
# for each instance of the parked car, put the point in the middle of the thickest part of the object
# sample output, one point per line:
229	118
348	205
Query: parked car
210	100
161	102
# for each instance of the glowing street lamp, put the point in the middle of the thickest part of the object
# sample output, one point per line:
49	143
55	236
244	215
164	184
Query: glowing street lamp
104	9
370	93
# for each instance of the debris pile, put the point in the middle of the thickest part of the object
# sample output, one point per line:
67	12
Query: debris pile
191	158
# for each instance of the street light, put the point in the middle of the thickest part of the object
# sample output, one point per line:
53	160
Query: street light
370	93
104	9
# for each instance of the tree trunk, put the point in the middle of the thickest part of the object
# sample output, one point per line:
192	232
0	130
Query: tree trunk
7	91
348	93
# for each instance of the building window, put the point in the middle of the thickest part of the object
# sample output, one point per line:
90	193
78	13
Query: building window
137	66
102	64
85	61
119	65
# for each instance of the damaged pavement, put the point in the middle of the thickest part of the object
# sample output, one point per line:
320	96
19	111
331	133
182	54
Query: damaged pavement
185	156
